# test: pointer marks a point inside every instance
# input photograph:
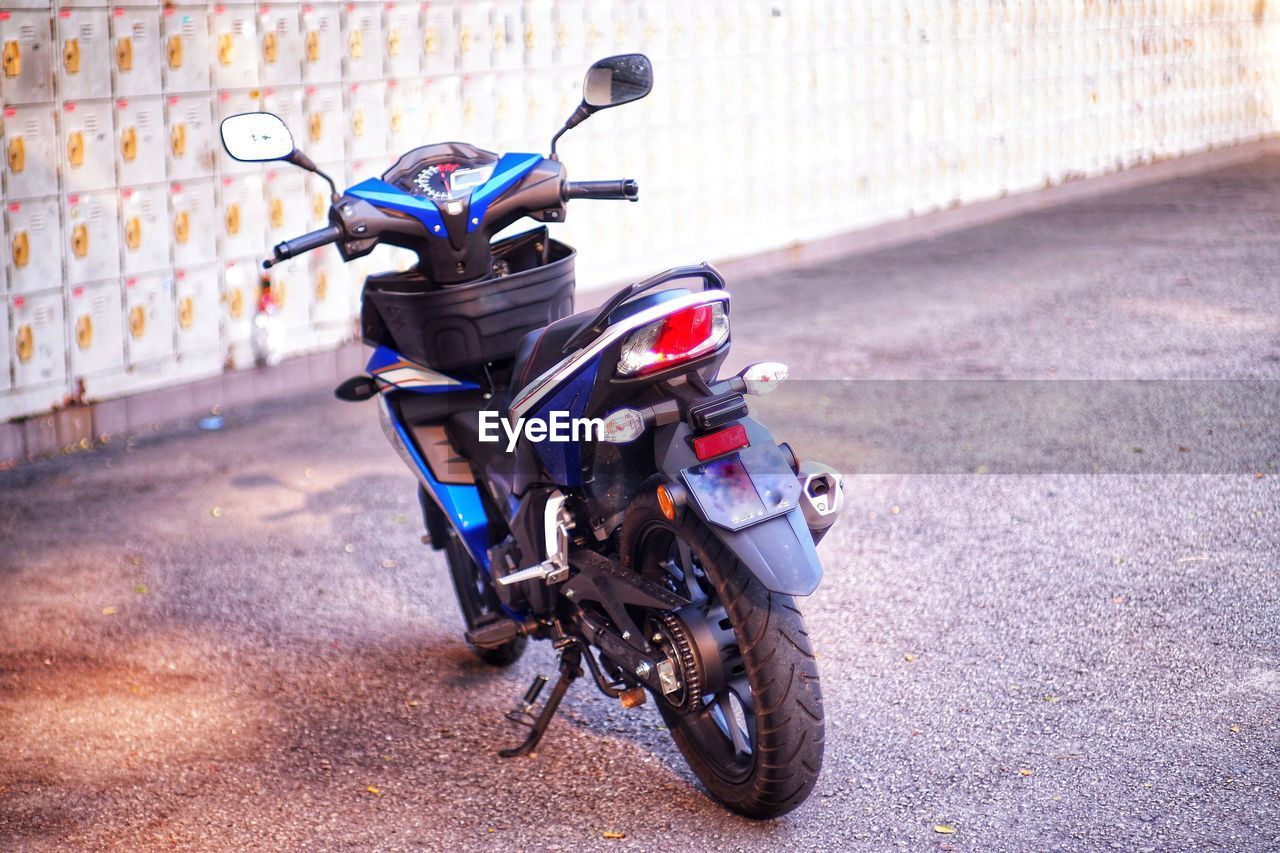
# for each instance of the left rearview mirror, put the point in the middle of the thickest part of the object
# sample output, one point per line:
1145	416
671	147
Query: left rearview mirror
256	137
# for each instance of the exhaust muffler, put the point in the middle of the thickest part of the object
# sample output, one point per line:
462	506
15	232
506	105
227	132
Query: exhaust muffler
821	496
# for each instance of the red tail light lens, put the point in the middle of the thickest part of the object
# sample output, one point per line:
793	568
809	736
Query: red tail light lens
679	337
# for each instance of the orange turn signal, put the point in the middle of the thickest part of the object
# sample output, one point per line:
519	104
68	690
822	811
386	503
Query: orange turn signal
666	503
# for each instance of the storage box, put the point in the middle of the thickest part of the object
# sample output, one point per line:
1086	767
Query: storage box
326	124
38	340
407	126
321	43
367	119
141	140
144	228
402	32
193	216
439	38
235	47
148	303
191	137
88	145
243	216
29	54
34	251
240	286
187	49
92	247
31	152
137	52
463	326
280	56
6	355
196	309
362	35
97	328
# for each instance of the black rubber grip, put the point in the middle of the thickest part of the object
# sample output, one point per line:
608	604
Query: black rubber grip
290	248
626	189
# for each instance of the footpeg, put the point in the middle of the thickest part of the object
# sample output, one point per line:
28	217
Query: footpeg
493	635
557	522
547	571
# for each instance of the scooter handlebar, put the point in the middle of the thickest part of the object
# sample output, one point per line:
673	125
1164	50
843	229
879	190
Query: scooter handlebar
291	248
624	189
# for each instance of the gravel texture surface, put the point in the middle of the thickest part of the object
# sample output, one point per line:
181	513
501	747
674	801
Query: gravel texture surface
233	639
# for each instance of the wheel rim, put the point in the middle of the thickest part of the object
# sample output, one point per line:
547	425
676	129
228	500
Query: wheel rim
722	729
474	596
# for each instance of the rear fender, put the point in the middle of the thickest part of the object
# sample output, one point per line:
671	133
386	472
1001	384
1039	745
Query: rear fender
775	545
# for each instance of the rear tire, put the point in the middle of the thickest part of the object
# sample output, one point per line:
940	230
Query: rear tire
771	764
478	602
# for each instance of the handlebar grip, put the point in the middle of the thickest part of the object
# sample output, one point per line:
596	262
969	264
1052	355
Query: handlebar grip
291	248
625	189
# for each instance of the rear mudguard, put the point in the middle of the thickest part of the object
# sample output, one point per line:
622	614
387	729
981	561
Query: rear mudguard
778	548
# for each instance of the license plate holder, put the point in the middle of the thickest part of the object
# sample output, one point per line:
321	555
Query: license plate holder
743	488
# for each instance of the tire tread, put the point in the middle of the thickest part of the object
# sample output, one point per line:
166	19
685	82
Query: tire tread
781	668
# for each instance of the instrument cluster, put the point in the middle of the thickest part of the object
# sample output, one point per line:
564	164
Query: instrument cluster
448	181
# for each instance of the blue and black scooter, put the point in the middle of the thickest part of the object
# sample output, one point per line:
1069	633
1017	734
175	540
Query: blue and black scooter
663	541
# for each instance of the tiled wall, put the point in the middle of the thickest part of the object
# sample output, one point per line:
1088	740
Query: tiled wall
131	243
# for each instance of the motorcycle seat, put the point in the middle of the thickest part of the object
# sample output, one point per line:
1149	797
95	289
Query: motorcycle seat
541	349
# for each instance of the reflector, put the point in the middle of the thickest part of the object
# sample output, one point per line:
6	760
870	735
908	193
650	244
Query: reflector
721	442
666	504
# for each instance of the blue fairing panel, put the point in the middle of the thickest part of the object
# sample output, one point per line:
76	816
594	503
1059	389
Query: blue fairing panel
509	170
459	502
382	357
563	459
382	194
390	368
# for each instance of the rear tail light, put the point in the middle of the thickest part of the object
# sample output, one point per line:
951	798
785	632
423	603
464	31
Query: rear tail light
674	339
720	442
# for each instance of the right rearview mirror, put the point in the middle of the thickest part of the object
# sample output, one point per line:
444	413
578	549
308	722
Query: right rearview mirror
617	80
611	82
256	137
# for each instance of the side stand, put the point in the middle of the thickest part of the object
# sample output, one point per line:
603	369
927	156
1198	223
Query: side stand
570	668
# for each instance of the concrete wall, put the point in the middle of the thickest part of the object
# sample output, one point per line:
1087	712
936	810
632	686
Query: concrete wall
130	243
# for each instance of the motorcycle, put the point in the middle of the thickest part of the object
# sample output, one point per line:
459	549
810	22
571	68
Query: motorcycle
590	478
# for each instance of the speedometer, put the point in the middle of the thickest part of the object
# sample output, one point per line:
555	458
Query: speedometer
433	181
447	181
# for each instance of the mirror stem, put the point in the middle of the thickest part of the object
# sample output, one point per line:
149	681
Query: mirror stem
581	114
302	161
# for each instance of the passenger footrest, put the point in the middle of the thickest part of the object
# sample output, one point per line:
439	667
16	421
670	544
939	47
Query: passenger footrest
494	634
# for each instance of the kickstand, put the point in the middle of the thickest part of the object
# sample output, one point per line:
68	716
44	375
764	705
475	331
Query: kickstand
570	668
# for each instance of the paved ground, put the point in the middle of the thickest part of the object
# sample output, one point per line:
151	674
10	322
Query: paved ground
233	639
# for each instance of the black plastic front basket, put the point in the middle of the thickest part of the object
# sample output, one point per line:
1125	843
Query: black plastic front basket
463	326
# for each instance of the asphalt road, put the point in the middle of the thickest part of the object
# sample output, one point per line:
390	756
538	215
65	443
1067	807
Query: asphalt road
233	639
